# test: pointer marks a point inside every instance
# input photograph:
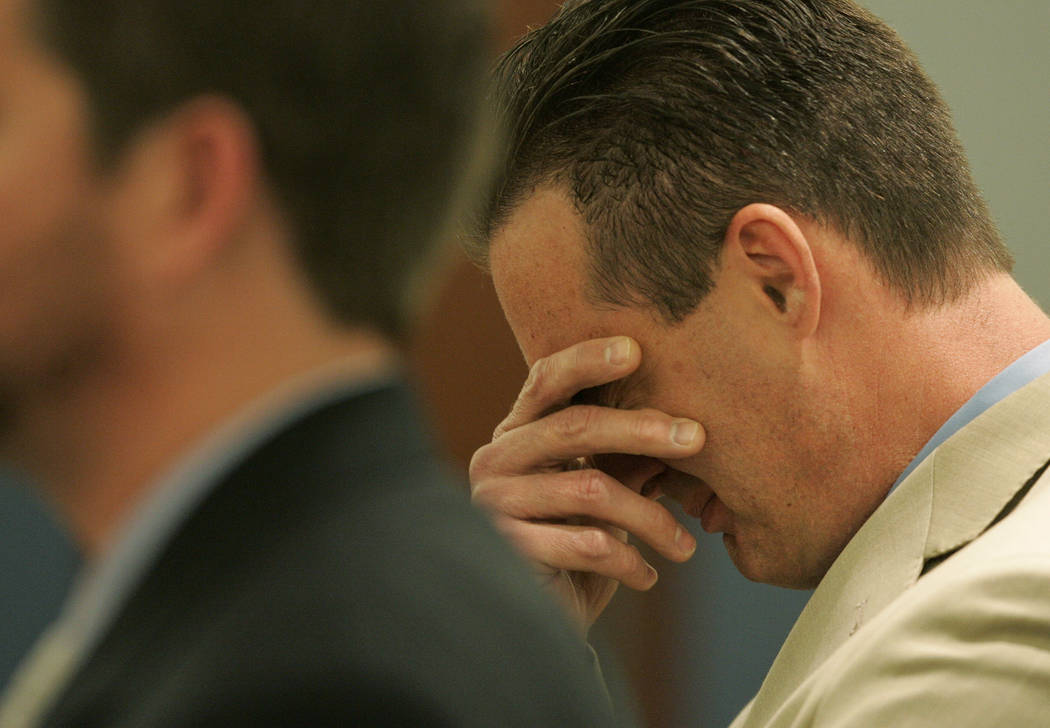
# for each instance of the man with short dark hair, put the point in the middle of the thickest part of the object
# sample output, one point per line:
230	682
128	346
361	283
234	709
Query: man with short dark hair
741	249
210	211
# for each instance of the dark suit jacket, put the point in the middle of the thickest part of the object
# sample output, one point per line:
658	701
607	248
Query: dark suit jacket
335	577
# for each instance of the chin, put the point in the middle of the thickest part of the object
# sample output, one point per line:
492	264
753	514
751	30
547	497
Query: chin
773	569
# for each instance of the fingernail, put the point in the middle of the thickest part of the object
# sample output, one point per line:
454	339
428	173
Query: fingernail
618	352
684	432
653	576
684	541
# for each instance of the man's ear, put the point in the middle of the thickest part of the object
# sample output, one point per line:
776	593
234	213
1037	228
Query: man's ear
187	185
773	260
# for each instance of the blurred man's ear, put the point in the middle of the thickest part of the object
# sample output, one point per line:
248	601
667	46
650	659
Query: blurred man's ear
186	185
769	256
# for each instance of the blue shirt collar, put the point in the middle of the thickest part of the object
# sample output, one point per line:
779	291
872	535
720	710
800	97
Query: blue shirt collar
1026	369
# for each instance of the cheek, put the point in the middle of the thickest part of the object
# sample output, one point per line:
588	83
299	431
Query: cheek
52	266
48	247
755	456
40	191
45	156
44	190
52	298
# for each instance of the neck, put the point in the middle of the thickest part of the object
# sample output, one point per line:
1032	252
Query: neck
98	449
937	359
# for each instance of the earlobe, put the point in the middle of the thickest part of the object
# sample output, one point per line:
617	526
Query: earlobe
774	262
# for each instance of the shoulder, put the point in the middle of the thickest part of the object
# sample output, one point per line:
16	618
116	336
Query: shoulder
967	645
406	597
394	588
340	577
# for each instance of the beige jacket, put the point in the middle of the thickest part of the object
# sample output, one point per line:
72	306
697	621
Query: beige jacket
968	643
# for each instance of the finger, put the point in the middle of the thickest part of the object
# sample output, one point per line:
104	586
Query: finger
592	494
634	471
580	548
583	431
554	379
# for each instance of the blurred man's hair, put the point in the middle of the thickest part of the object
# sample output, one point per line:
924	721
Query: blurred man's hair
663	118
363	109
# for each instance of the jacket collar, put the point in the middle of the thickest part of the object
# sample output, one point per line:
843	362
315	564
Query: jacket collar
946	502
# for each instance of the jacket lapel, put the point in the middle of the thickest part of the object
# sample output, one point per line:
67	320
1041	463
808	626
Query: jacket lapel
953	496
980	469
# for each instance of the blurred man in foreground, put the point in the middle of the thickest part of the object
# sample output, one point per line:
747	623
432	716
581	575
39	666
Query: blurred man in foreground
210	211
741	249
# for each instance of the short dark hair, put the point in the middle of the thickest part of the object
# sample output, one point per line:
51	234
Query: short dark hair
363	109
663	118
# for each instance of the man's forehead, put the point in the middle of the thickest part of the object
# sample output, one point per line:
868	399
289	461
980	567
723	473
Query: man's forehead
538	266
539	269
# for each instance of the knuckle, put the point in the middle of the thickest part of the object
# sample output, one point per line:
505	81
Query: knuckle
509	527
492	497
573	422
591	486
662	523
595	544
480	493
481	464
631	563
540	375
503	428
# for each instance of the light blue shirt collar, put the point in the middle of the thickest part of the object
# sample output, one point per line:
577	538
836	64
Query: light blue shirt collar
1026	369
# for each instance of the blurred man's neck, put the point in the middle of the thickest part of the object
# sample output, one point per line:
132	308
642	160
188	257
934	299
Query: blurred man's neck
97	451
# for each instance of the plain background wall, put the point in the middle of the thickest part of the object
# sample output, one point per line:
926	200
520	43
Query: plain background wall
992	62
